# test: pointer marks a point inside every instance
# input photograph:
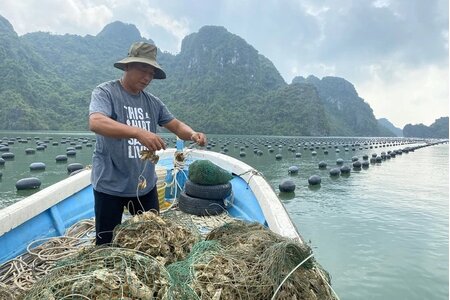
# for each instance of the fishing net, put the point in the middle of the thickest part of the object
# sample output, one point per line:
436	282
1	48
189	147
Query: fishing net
181	270
166	257
242	260
7	293
104	273
164	239
207	173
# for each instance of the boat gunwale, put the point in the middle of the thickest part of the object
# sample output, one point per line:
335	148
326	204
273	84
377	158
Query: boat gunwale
20	212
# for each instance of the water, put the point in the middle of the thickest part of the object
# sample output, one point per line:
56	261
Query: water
381	232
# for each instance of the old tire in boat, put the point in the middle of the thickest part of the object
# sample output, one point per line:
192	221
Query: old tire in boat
213	192
200	207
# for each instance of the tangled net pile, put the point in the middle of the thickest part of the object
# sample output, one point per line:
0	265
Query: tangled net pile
247	261
104	273
165	257
164	239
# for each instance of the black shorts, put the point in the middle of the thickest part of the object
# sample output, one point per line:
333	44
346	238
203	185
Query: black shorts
109	210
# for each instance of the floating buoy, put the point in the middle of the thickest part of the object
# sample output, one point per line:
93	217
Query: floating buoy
4	149
365	157
8	155
339	161
313	153
335	172
74	166
345	169
28	183
30	151
71	153
322	165
314	180
37	166
2	162
355	158
40	147
357	164
298	154
278	156
378	159
293	170
61	158
287	186
242	154
365	164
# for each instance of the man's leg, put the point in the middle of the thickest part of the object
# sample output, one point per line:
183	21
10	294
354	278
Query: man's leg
108	214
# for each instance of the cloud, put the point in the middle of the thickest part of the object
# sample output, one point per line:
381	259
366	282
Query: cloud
418	95
165	29
60	17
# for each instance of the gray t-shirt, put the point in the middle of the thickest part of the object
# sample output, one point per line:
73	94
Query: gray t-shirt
116	163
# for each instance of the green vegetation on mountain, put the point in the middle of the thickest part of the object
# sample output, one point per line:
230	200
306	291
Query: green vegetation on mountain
32	96
439	129
348	113
218	83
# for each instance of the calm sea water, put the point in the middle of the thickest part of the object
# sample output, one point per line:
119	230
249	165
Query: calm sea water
382	232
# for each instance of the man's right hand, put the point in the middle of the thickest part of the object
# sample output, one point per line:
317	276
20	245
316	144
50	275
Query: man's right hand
150	140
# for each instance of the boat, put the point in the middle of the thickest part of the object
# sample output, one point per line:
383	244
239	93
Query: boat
50	212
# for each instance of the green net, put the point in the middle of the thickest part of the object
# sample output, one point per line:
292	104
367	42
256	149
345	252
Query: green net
180	270
205	172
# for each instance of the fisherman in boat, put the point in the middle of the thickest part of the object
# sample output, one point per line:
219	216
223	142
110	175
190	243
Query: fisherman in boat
125	117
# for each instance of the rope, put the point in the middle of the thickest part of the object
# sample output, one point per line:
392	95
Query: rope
290	273
319	271
179	162
22	272
253	173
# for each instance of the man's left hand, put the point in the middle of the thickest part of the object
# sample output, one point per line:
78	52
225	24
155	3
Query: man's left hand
199	138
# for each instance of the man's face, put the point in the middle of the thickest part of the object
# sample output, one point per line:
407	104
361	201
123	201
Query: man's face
140	75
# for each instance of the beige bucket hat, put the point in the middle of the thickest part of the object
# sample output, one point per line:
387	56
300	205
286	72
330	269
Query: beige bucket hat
143	53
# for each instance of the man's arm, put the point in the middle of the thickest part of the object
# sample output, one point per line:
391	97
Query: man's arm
103	125
185	132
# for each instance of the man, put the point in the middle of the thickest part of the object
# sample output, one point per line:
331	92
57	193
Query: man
124	118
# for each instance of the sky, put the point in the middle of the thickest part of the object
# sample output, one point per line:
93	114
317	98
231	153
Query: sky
395	52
